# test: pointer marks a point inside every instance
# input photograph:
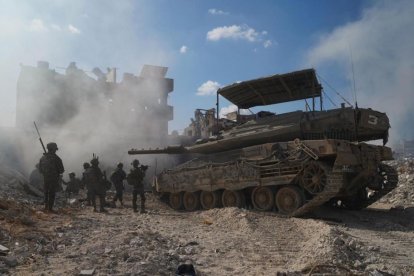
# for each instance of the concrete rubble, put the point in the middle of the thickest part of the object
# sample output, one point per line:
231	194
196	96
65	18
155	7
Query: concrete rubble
231	241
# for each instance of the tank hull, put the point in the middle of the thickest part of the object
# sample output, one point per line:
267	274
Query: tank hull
308	173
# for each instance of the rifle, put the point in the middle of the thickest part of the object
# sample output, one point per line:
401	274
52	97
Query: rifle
40	138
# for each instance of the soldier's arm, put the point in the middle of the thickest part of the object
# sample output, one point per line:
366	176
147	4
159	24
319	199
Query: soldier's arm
60	167
99	173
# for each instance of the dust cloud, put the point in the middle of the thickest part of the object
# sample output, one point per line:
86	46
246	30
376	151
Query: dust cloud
381	48
85	120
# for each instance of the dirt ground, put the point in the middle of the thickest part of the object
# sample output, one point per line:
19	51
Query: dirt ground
228	241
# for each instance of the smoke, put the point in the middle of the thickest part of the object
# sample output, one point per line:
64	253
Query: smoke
382	46
85	119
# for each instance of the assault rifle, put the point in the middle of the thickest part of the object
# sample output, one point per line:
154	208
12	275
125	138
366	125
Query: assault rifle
40	138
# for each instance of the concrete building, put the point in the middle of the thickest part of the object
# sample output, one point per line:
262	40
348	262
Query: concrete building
134	107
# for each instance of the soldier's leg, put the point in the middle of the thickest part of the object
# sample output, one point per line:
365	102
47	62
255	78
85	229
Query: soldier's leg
93	200
52	195
102	202
134	200
46	192
142	195
46	201
121	195
89	198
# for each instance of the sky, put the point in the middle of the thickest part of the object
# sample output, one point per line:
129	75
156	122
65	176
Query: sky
210	44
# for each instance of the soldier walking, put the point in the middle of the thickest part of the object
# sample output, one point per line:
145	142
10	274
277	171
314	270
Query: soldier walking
94	178
51	167
136	179
117	179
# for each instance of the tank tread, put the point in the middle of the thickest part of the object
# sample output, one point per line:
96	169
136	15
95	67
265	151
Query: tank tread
334	185
392	181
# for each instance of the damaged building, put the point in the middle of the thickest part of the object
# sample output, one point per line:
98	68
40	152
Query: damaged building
135	108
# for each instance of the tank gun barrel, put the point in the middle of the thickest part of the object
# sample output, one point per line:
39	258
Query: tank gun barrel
166	150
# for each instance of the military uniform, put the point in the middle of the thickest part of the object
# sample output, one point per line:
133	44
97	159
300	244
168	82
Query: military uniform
85	184
73	186
51	167
117	178
94	178
136	179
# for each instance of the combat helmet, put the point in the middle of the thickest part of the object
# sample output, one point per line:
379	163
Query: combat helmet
52	146
86	165
135	163
95	161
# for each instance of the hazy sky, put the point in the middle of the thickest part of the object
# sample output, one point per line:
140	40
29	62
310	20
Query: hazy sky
208	44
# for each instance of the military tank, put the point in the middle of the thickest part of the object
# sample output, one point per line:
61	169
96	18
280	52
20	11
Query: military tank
291	163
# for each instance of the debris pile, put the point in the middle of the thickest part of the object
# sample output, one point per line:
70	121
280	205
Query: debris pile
226	241
403	195
14	185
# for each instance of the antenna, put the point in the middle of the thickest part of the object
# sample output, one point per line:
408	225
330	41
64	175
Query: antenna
353	76
356	112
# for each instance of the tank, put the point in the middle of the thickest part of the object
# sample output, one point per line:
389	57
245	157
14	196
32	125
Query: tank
290	163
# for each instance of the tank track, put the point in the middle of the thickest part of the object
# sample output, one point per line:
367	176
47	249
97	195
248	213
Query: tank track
334	184
392	181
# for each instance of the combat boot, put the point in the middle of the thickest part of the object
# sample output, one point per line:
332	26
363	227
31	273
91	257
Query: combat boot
102	210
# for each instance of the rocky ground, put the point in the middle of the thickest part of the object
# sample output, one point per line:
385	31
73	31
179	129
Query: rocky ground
231	241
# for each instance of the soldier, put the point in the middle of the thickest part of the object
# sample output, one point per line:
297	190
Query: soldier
117	179
86	185
51	166
94	178
73	185
136	178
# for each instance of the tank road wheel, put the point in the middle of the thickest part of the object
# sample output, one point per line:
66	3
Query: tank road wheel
176	200
232	198
289	199
263	198
314	178
210	200
191	201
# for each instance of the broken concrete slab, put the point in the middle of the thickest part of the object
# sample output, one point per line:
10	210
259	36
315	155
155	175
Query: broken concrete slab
4	250
87	272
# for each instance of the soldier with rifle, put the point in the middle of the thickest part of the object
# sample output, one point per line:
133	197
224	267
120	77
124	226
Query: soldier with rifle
51	167
86	184
117	178
136	179
95	178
